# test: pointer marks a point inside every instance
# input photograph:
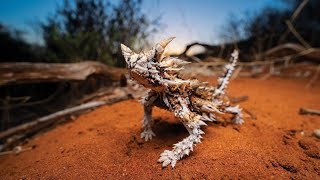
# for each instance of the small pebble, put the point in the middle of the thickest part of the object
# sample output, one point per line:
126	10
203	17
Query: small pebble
316	133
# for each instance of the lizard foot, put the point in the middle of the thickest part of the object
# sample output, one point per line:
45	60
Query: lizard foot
147	134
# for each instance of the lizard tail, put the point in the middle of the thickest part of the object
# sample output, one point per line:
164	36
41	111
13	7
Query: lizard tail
223	81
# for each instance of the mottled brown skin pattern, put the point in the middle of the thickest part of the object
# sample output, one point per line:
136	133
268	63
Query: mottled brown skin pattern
191	101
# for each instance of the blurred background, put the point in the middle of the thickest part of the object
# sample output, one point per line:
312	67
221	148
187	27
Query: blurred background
36	36
72	31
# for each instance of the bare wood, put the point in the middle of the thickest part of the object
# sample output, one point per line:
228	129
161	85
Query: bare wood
16	150
293	18
194	58
292	46
18	129
266	76
14	73
297	35
270	73
298	10
24	104
314	78
303	111
98	94
236	72
313	53
300	51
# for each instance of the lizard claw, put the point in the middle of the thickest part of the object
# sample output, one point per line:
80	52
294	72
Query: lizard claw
147	134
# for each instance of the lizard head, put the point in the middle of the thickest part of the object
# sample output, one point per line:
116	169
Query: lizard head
144	66
153	55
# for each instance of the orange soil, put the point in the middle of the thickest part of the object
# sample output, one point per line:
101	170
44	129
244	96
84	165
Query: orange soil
105	143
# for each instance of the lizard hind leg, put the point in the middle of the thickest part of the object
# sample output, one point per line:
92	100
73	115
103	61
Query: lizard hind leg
184	147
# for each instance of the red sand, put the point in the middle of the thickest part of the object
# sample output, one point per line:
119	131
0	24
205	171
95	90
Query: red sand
105	143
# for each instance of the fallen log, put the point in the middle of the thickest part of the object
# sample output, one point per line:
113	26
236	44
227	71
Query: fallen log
17	73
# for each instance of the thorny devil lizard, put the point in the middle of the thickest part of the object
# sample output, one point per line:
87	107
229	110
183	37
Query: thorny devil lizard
192	101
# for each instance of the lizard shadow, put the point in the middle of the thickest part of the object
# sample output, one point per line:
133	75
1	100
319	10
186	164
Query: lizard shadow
166	130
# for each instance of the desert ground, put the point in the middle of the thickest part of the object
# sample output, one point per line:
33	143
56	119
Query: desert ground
275	142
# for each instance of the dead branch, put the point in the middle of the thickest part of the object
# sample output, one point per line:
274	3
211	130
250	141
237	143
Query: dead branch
24	104
312	53
298	10
314	78
15	73
304	111
16	150
293	18
98	94
292	46
121	95
297	35
236	73
271	72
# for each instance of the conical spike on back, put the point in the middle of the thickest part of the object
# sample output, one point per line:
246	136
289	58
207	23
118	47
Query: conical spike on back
127	52
172	62
150	54
160	47
165	42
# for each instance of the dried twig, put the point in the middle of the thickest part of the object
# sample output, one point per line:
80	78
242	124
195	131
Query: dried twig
236	72
292	46
304	111
298	10
297	35
293	17
16	150
314	78
271	71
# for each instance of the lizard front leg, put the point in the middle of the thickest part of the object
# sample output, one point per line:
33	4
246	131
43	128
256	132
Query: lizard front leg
181	149
147	121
